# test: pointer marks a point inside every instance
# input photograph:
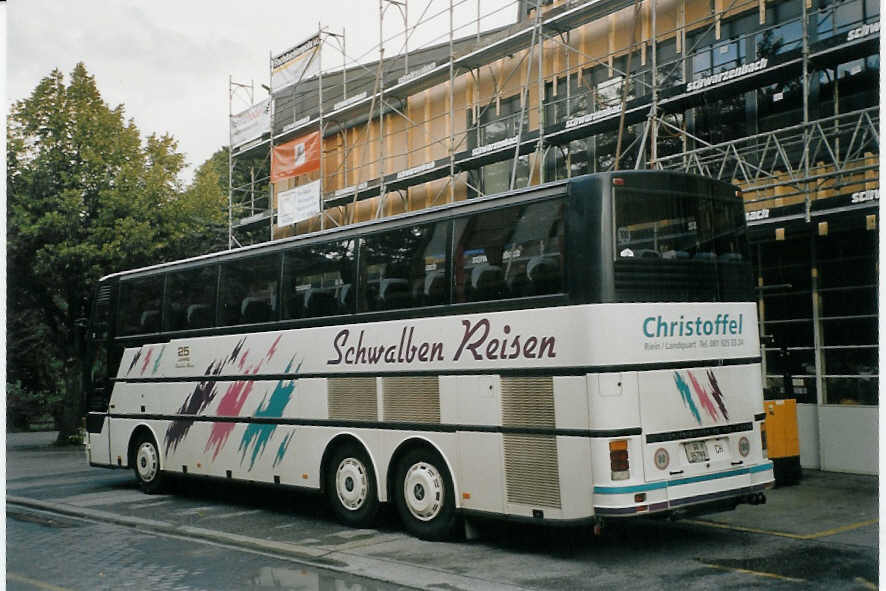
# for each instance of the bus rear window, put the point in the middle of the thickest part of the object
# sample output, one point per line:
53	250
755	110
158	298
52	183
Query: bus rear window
671	246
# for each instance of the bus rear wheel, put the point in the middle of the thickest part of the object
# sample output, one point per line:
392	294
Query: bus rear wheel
424	495
351	486
146	463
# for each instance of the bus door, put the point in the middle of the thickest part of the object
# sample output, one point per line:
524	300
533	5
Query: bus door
698	426
97	380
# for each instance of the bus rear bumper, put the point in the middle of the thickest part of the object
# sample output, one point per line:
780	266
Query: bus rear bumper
694	505
746	485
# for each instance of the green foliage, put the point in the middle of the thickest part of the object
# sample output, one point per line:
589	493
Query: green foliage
26	408
87	196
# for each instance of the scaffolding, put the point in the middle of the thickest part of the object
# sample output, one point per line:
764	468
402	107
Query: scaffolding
456	98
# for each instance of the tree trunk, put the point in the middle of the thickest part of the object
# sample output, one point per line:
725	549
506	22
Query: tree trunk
71	423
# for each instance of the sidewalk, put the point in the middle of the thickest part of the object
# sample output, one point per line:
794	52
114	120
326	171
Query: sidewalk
28	439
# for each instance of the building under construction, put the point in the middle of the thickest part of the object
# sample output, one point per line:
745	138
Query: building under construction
779	98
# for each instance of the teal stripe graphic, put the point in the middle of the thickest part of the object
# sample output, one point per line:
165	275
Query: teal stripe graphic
614	490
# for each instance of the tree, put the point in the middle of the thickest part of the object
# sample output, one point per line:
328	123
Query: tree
86	197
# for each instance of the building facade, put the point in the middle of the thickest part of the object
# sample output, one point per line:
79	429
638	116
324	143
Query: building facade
780	98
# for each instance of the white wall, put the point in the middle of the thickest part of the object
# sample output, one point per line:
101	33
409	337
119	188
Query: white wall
807	425
849	438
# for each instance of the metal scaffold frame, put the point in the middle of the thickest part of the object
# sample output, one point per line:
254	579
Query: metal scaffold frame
244	198
392	125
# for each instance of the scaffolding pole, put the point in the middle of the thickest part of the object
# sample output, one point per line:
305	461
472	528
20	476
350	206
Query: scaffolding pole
367	163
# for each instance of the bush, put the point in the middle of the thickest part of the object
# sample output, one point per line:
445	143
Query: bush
26	408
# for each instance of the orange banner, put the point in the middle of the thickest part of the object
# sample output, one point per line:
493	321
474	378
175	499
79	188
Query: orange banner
297	157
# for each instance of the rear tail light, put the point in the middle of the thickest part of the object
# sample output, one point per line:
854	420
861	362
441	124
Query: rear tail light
618	459
763	440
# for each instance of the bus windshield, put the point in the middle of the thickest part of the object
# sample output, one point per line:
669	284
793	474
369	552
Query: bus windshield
675	246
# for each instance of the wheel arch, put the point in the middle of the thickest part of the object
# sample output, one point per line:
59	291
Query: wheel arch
341	439
419	442
140	430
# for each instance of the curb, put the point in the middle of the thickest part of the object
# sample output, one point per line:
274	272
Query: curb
386	571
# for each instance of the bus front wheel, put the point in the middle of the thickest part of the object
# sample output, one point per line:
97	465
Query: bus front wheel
351	486
146	463
424	495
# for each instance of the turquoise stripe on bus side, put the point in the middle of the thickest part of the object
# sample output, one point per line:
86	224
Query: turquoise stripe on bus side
612	490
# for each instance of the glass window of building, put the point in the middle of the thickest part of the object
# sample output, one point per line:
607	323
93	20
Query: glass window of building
784	272
847	276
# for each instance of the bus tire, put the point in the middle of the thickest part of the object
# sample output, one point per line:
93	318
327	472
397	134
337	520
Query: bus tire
146	464
351	486
424	495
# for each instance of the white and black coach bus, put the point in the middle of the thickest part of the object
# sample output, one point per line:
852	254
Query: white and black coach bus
579	350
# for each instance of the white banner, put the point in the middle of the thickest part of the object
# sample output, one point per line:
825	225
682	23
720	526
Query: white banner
251	123
295	64
300	203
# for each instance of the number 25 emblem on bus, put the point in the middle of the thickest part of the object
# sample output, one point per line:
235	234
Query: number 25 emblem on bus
184	357
704	398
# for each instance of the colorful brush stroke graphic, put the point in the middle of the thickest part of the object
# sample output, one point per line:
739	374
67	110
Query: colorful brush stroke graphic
257	435
703	398
234	398
157	361
701	394
199	399
717	394
281	450
147	360
135	359
686	394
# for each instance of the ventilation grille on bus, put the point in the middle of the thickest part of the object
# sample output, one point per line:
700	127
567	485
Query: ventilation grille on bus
412	399
352	399
527	402
532	472
104	293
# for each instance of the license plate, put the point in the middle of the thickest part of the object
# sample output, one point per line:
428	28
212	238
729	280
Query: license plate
696	451
718	449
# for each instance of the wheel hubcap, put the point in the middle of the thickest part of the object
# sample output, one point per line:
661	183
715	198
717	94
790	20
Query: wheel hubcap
146	463
423	491
351	483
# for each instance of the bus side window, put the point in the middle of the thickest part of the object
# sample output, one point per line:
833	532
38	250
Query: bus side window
190	299
316	280
249	290
140	301
404	268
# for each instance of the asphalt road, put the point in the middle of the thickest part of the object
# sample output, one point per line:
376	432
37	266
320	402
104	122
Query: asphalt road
58	553
820	534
